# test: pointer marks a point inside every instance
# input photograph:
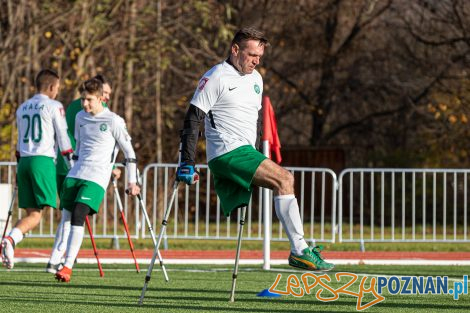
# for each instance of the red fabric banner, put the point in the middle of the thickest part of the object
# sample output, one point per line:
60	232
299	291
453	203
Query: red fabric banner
270	130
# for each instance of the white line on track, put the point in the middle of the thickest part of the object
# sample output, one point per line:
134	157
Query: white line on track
416	262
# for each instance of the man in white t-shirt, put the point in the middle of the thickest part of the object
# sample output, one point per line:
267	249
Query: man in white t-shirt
98	132
229	97
41	126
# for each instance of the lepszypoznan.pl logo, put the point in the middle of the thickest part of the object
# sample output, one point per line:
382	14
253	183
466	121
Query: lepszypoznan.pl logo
403	285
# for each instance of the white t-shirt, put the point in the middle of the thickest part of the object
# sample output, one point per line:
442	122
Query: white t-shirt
41	125
231	101
96	148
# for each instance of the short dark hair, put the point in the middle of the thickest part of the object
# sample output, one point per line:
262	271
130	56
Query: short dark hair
92	86
249	33
45	78
103	79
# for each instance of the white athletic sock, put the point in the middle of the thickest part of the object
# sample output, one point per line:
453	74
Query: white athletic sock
73	244
16	235
61	237
287	210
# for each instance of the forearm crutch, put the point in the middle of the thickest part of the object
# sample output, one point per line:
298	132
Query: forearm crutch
94	245
237	257
10	210
123	218
157	245
152	233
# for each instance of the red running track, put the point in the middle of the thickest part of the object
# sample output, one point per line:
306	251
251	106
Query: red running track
228	254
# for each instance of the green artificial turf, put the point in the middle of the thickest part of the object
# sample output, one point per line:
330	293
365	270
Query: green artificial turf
27	288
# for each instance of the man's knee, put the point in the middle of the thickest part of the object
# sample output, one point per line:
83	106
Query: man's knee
275	177
287	182
79	214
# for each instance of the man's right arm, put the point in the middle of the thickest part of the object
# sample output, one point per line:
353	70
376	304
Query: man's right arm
190	134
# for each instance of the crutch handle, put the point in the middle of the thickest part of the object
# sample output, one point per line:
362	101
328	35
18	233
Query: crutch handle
128	192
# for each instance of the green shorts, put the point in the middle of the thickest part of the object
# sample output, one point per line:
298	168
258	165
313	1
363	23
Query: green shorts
60	182
61	166
233	173
36	189
83	191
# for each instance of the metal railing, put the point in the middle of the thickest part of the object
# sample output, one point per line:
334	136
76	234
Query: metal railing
197	213
105	224
362	205
403	205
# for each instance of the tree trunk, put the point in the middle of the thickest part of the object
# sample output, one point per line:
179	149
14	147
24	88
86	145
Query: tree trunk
128	98
158	104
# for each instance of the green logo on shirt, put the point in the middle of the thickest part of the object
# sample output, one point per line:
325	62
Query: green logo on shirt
257	89
103	127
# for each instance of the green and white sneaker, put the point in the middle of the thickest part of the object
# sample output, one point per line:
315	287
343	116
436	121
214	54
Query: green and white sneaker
311	260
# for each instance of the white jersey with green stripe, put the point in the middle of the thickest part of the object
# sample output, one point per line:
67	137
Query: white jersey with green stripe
41	127
231	101
98	138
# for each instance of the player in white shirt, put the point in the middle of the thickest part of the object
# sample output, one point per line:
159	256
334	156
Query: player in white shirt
41	126
63	228
98	132
229	98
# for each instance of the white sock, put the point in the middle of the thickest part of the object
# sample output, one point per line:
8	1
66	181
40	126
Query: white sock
16	235
287	210
61	237
73	244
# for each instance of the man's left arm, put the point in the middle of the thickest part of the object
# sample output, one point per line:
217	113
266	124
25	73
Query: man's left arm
124	141
63	140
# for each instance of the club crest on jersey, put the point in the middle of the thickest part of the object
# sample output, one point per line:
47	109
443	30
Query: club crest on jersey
257	89
202	83
103	127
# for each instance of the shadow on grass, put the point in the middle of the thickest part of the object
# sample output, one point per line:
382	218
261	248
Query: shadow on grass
229	307
182	306
113	287
216	298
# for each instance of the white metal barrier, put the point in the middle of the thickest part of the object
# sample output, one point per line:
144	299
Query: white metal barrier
362	205
197	213
105	224
403	205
